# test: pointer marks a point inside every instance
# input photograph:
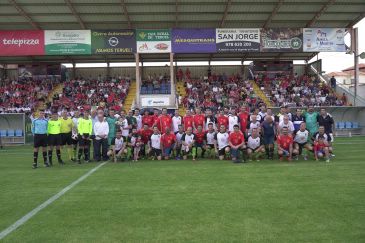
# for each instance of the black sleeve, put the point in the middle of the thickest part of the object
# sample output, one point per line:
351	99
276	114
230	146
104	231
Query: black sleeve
277	119
215	136
183	137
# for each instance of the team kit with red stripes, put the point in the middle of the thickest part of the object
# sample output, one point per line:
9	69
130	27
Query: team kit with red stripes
198	135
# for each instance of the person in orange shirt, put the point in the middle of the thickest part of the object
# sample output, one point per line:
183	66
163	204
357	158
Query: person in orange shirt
199	119
164	121
236	142
168	141
285	144
188	120
222	119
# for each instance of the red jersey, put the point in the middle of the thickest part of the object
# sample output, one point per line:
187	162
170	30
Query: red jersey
147	119
163	122
222	120
145	134
168	140
199	120
154	119
284	141
236	138
188	122
199	137
243	120
318	146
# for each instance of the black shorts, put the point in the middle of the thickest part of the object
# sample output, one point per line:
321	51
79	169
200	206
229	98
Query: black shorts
54	139
254	150
210	146
222	151
66	138
40	140
84	140
156	152
301	145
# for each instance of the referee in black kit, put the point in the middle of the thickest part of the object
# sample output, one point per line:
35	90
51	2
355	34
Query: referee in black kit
39	131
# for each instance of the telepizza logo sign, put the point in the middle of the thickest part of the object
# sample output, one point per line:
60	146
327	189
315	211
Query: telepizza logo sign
22	43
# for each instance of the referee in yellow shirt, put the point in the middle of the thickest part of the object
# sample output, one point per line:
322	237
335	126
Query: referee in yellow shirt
54	138
66	133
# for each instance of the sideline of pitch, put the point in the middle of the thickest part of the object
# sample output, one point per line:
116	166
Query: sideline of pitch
36	210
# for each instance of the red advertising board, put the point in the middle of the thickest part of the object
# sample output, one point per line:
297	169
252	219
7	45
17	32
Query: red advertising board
22	43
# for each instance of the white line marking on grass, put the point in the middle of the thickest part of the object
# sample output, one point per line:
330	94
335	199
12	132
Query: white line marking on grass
29	215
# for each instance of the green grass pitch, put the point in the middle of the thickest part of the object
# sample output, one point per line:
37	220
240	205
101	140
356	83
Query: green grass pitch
182	201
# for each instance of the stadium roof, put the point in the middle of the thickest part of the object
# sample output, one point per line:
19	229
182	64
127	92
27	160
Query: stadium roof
122	14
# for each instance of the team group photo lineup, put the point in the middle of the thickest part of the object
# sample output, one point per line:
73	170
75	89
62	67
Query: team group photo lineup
233	126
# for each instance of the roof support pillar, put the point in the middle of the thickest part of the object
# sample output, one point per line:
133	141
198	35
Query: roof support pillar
138	82
172	78
355	38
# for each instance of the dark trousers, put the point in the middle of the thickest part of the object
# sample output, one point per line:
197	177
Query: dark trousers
101	145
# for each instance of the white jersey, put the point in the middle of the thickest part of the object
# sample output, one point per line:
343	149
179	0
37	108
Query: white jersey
301	137
156	141
118	143
210	137
222	140
124	127
232	120
176	121
75	121
289	125
253	125
178	137
139	122
187	139
254	143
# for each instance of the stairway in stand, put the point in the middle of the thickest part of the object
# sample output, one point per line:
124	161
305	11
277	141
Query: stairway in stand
131	96
261	94
182	92
58	89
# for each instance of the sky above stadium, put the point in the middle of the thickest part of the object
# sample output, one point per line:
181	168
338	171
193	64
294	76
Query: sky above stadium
338	61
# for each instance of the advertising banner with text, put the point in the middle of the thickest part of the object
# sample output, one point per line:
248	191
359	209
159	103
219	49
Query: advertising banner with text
67	42
193	41
153	41
238	40
282	40
324	40
22	43
113	41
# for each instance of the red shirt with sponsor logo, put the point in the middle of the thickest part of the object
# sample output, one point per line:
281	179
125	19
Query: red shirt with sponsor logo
199	137
222	120
236	138
163	122
168	140
145	134
188	122
199	120
284	141
243	120
148	119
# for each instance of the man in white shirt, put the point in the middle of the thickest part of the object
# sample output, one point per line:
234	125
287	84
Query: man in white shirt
124	126
221	142
232	120
138	118
301	141
101	131
155	144
188	140
255	145
286	123
118	147
176	121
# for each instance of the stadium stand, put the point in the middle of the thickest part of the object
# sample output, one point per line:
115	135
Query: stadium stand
23	95
297	91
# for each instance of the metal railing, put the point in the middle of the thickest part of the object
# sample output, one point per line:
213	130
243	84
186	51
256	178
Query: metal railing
340	89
